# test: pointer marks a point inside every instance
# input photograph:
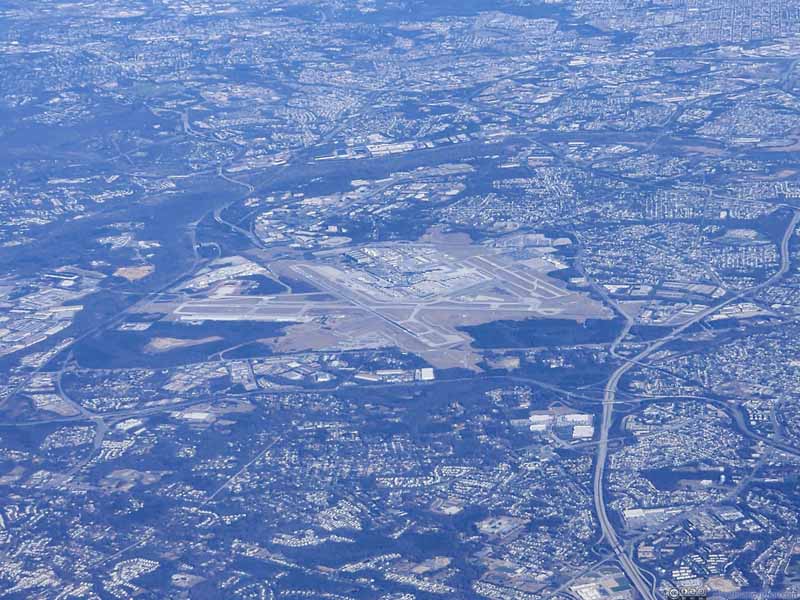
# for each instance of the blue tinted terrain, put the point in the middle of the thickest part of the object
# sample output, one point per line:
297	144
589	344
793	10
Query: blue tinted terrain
399	299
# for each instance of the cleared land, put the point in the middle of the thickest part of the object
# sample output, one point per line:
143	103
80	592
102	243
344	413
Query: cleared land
165	344
134	273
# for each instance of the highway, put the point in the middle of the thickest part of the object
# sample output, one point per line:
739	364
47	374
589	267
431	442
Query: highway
627	563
